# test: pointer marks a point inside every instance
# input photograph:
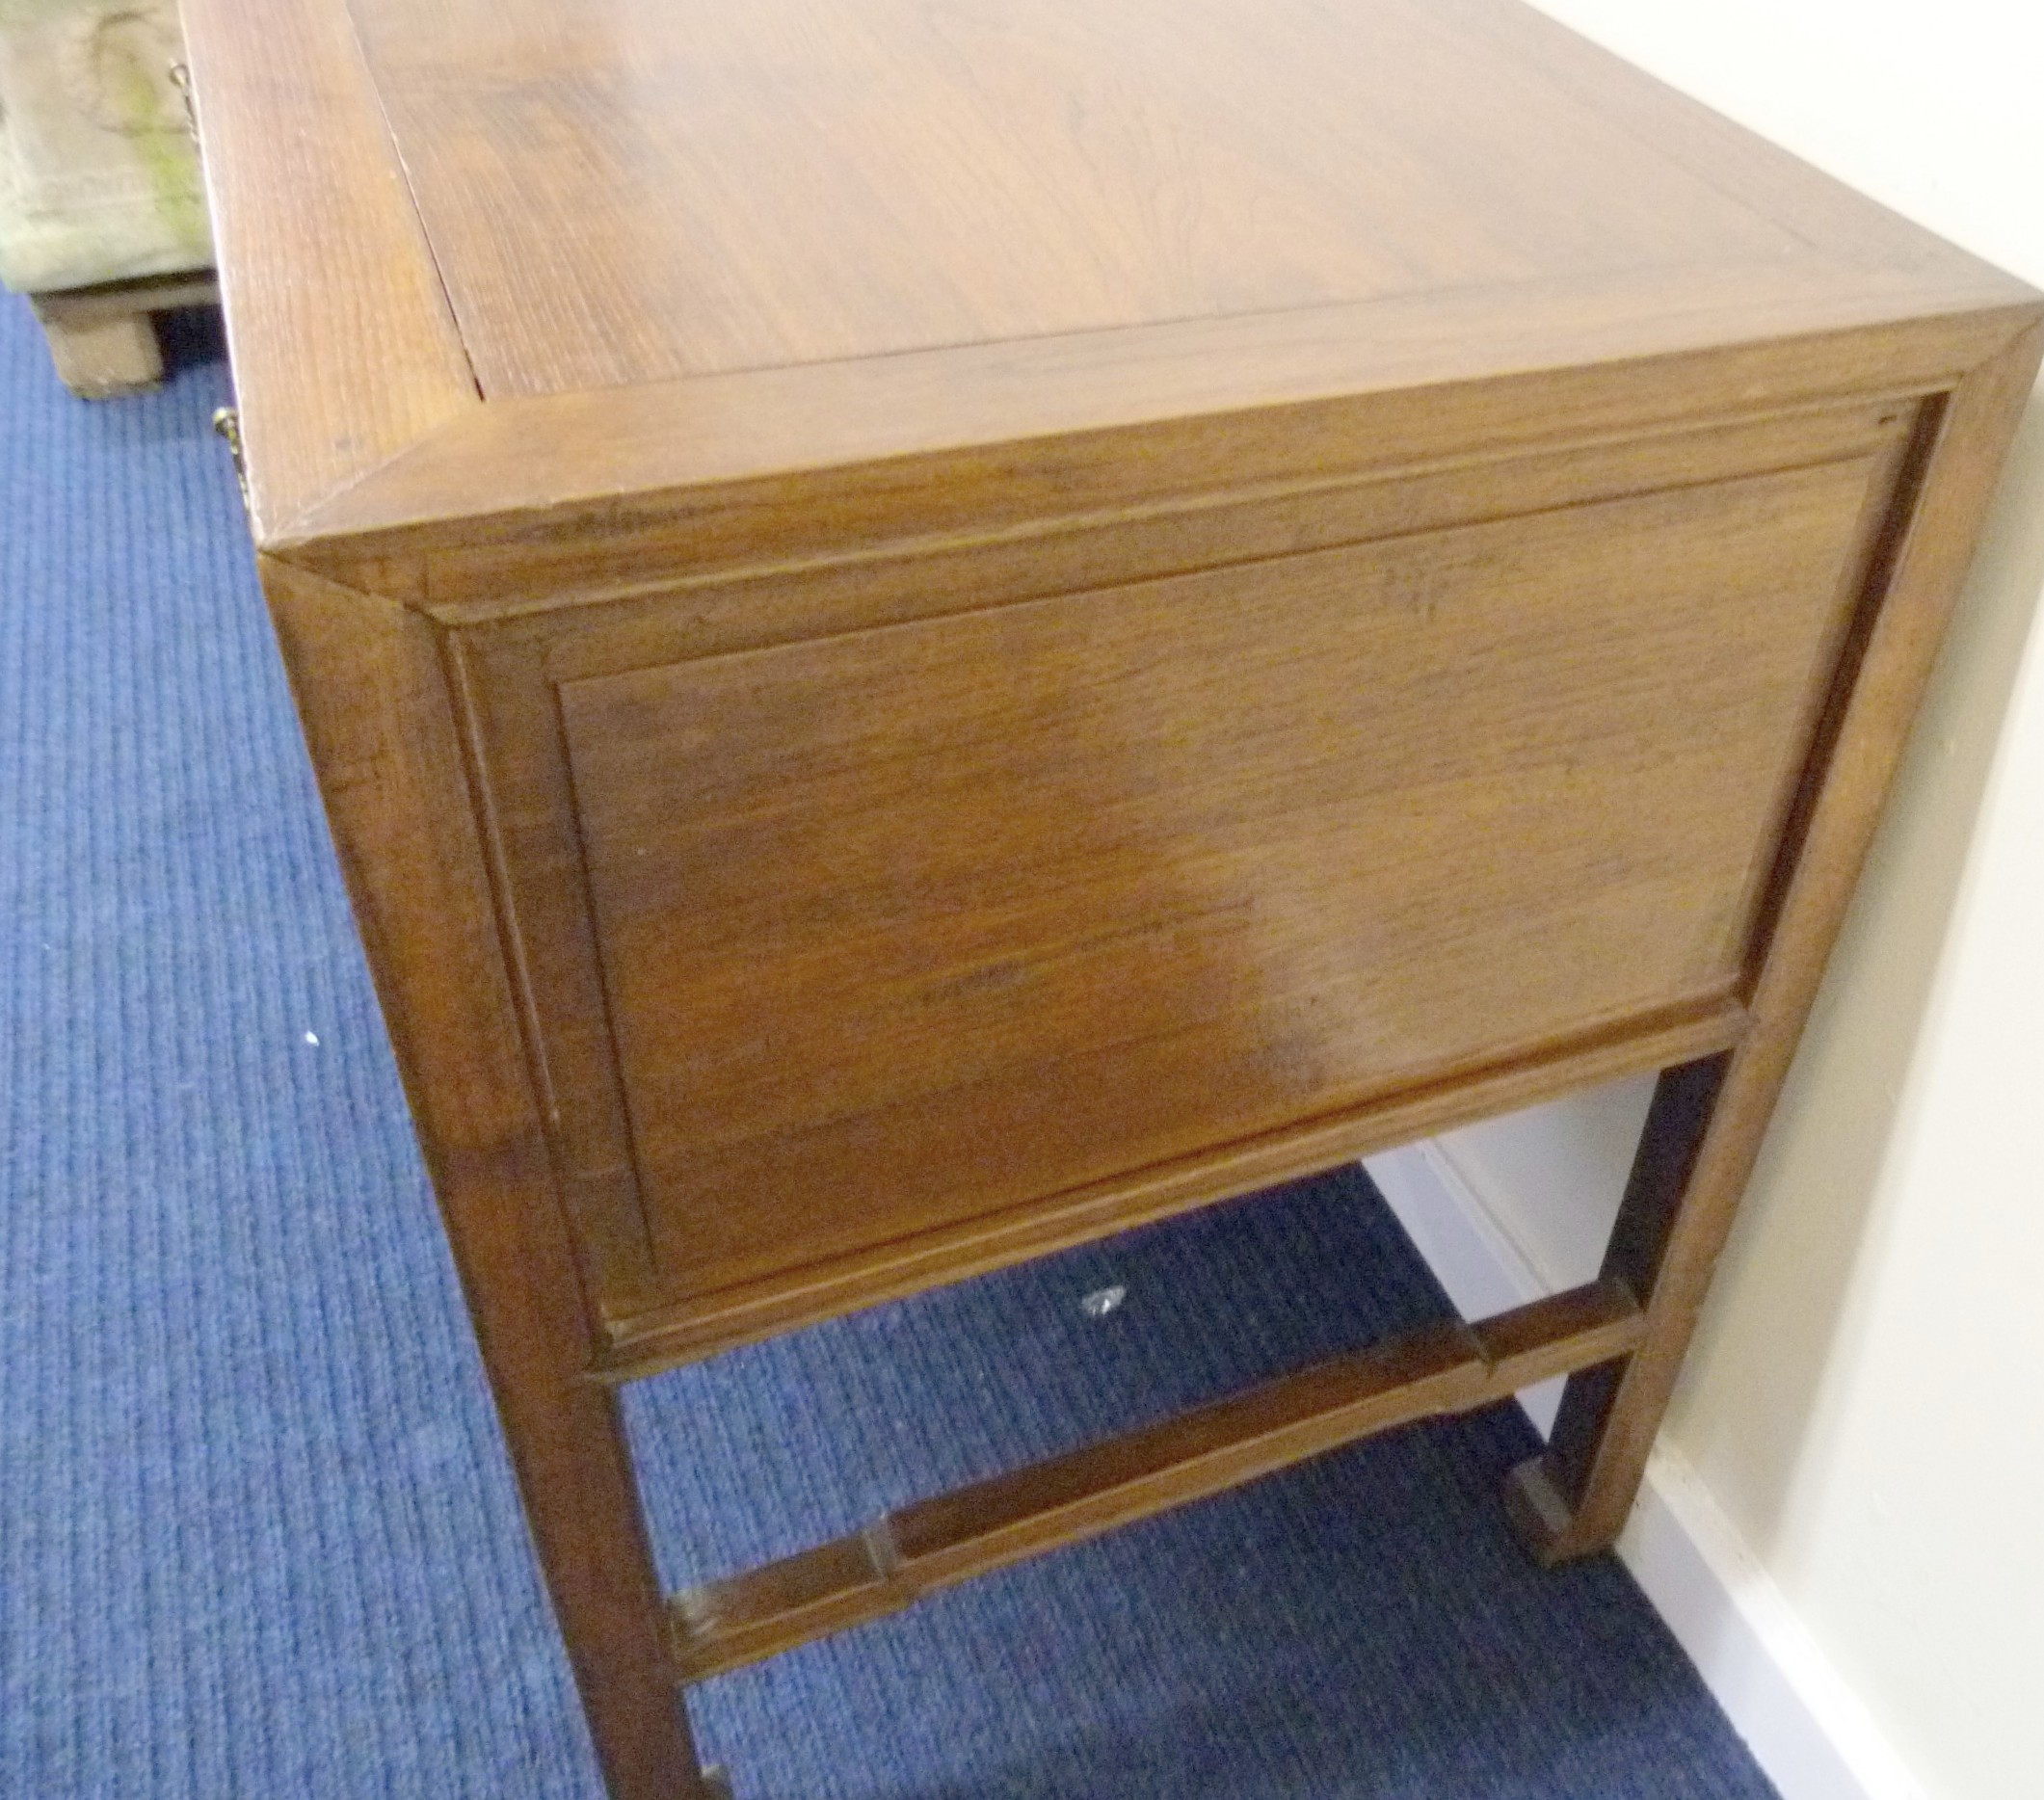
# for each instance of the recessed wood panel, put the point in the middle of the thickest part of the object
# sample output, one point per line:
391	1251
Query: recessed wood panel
909	926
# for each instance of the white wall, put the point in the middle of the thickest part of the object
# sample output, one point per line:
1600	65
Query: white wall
1865	1402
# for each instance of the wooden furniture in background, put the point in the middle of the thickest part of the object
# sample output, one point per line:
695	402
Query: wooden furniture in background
933	633
103	339
102	225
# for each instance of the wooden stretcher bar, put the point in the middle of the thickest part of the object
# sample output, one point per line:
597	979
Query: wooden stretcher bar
1446	1368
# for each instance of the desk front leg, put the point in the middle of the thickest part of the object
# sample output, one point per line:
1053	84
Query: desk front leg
372	698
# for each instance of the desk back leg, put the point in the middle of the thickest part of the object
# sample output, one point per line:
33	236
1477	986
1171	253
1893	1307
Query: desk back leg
1573	1500
1705	1127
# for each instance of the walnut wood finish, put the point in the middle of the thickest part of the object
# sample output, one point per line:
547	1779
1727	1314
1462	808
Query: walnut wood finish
933	633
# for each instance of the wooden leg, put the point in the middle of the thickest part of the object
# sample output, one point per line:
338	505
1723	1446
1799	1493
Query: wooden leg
99	356
1573	1500
581	1502
387	745
1704	1131
1708	1118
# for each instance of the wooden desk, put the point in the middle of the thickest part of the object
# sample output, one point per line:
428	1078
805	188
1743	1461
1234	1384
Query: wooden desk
931	631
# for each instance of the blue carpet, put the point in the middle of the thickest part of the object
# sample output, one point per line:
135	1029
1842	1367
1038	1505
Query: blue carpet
257	1535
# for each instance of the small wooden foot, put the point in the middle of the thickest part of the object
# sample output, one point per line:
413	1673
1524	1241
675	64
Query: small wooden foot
99	356
1542	1517
103	339
717	1783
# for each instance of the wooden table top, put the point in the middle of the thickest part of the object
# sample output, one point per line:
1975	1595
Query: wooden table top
618	194
732	240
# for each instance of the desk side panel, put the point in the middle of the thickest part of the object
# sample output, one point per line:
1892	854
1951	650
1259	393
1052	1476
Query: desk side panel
913	925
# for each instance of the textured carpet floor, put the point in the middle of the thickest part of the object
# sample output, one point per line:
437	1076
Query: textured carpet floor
257	1535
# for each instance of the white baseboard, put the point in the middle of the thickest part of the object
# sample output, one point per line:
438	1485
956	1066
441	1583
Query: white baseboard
1805	1727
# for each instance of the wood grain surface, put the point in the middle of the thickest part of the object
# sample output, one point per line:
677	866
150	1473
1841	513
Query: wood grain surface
630	193
344	349
1574	1501
682	244
923	922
